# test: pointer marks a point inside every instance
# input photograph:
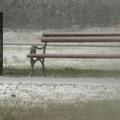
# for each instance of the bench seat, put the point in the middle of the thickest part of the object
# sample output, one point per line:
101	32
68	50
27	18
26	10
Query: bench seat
87	56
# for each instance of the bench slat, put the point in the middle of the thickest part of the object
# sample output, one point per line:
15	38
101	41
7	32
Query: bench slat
99	56
77	34
80	39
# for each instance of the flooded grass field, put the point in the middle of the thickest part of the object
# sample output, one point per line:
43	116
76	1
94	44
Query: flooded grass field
92	110
61	99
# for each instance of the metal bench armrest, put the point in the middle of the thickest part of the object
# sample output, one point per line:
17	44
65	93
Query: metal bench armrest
34	49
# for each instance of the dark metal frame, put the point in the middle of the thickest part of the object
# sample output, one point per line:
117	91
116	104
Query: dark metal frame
33	60
1	44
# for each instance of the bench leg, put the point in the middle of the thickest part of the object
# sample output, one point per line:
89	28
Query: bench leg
43	66
32	62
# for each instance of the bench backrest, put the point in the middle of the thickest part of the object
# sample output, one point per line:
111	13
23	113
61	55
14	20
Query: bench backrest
80	39
77	34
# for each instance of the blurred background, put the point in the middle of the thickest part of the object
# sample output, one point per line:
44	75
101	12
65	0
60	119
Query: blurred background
56	14
26	20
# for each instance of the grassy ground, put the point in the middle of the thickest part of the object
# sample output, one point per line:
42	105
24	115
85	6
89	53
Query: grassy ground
61	72
92	110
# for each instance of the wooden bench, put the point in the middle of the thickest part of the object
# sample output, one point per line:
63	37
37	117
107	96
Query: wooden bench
71	38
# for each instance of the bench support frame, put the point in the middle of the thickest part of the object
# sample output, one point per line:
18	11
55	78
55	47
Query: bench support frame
33	60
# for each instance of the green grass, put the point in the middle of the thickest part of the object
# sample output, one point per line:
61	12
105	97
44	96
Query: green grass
79	110
61	72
